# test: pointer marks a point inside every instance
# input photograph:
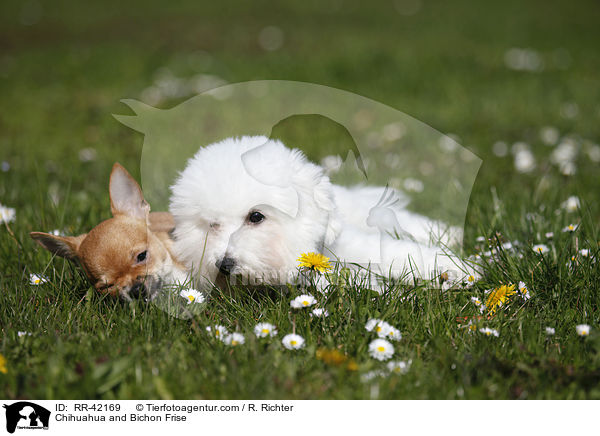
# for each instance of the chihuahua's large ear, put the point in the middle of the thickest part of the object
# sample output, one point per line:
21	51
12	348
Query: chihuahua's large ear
63	246
126	196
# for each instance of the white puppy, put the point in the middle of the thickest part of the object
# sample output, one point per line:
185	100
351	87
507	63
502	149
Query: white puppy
250	206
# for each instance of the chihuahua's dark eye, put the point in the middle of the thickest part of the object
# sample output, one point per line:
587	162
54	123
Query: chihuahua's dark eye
256	217
142	256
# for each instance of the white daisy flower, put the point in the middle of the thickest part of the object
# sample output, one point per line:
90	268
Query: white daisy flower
36	279
550	331
584	252
293	341
489	332
234	339
399	367
570	228
56	232
7	214
476	301
540	248
583	329
480	239
319	312
482	308
379	326
549	235
264	329
368	376
192	296
218	331
302	301
523	291
470	280
571	204
19	334
393	334
381	349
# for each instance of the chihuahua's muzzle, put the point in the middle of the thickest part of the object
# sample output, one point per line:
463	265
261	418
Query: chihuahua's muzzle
144	288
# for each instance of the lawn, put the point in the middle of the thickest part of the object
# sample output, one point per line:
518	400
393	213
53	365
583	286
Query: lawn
516	83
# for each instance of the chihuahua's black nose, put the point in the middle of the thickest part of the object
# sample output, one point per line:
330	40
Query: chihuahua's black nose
138	290
226	265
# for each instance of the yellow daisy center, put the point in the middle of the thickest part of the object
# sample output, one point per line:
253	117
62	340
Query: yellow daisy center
234	342
381	349
378	329
305	303
265	331
293	342
37	281
471	278
191	298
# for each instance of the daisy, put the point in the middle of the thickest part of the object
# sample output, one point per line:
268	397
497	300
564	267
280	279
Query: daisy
571	204
476	301
19	334
399	367
192	296
584	252
319	312
264	329
35	279
381	349
314	261
380	327
234	339
570	228
7	214
393	334
583	329
523	291
368	376
489	332
293	341
549	235
3	364
540	248
550	331
218	331
499	296
302	301
470	281
480	239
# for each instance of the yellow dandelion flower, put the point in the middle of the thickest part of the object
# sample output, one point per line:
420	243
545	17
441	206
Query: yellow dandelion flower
331	357
3	364
499	296
314	261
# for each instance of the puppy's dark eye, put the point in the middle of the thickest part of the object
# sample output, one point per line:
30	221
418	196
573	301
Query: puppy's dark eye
142	256
256	217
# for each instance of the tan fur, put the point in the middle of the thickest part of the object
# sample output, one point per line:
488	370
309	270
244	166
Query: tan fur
108	253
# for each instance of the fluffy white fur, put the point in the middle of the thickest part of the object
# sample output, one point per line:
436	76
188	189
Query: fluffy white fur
225	182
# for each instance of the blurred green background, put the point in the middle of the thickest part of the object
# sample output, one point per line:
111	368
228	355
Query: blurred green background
485	72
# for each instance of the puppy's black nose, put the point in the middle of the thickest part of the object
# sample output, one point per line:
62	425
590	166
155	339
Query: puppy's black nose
226	265
138	290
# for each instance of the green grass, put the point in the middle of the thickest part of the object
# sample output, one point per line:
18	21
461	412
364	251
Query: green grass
63	77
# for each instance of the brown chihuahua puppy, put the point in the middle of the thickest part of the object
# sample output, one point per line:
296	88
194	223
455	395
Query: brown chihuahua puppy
128	255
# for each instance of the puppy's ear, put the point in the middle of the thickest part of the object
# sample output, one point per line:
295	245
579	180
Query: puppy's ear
126	196
63	246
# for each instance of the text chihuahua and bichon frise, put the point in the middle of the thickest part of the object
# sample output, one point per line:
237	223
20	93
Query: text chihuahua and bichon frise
248	207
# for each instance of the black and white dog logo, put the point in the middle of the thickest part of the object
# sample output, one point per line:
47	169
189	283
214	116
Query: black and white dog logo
26	415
